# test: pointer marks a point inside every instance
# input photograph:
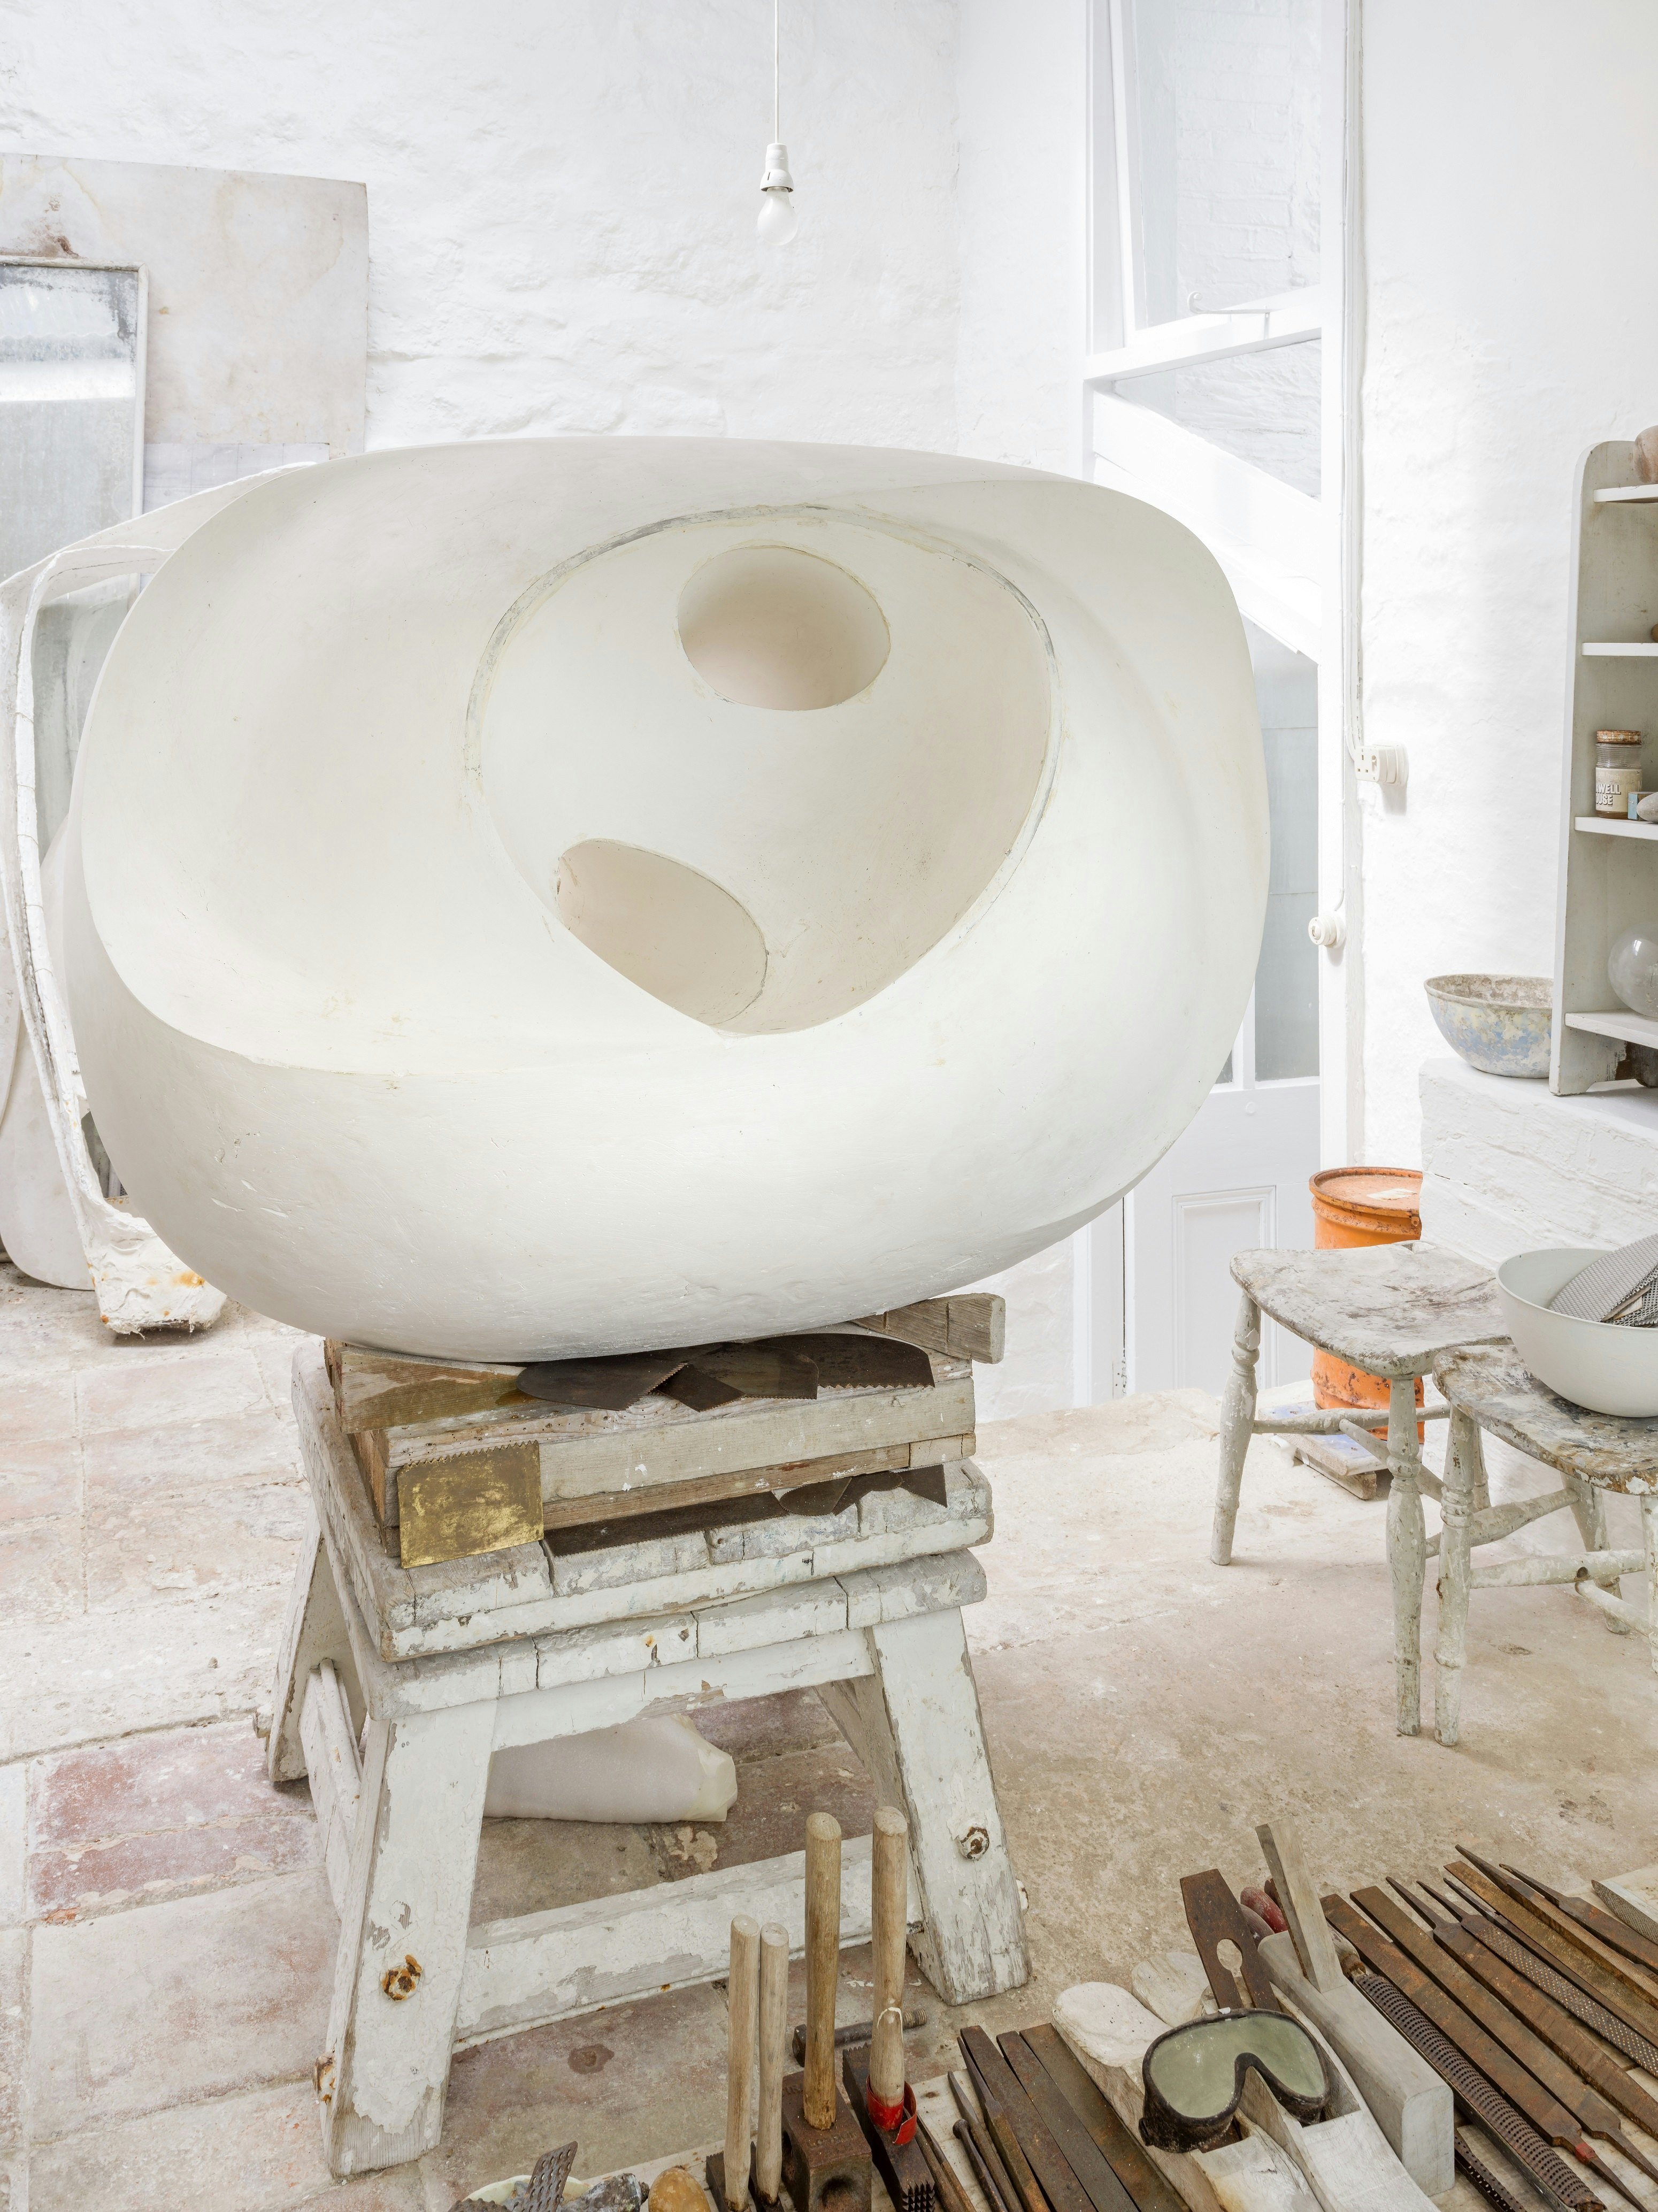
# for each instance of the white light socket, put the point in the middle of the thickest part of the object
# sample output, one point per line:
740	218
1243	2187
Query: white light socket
1383	764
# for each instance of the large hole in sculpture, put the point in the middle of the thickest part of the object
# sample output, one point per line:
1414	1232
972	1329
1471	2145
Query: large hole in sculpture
819	850
666	927
766	626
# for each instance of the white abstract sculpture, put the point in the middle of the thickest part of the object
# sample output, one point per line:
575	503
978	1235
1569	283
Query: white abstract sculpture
544	897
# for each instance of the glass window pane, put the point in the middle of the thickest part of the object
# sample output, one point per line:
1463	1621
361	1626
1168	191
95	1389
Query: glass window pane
1262	407
1226	113
1286	977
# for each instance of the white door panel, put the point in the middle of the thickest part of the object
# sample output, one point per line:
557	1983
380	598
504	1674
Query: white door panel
1236	1181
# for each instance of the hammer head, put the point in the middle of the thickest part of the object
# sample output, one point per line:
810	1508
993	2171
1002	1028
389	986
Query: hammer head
907	2176
824	2169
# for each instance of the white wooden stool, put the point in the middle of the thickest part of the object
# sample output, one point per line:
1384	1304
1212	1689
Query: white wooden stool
1590	1452
871	1618
1391	1311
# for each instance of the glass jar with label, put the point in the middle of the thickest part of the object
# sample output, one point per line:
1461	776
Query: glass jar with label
1617	770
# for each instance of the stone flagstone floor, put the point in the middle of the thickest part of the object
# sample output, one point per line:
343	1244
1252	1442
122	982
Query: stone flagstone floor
166	1938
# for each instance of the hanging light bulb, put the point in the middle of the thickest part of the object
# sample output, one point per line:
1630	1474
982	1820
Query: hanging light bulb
778	221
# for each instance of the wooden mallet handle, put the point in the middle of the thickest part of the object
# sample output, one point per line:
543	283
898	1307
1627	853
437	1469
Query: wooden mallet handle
823	1967
774	2029
890	1914
742	2007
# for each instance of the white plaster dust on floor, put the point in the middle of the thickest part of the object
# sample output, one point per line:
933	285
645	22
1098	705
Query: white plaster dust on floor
166	1940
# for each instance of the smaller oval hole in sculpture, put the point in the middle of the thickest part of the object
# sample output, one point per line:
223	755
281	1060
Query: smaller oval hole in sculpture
767	626
674	933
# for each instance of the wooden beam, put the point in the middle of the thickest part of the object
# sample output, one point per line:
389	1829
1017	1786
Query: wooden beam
972	1325
547	1965
335	1774
751	1481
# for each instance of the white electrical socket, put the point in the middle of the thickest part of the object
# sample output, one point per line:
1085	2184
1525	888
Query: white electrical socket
1381	765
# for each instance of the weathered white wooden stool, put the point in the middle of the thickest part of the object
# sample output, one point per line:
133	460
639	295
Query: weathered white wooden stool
450	1661
1393	1310
1591	1452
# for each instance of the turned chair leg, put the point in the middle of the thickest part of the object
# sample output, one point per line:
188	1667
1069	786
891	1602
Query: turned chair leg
1480	1484
1588	1509
1408	1550
1238	1421
1456	1503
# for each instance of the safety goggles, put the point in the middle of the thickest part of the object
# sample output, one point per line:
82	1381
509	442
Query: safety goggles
1194	2076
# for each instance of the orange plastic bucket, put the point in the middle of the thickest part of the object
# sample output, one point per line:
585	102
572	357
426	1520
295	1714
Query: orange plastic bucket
1352	1206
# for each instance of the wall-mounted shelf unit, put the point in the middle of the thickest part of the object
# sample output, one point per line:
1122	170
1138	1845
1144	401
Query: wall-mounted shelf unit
1616	1022
1608	825
1607	882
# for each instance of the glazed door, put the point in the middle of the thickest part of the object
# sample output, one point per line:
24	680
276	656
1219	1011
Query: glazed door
1238	1177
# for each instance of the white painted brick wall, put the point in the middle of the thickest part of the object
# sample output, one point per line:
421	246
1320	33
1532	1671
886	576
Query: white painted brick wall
1507	1167
561	196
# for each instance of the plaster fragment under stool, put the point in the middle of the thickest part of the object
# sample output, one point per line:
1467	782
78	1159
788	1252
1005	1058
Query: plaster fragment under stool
1390	1310
882	1642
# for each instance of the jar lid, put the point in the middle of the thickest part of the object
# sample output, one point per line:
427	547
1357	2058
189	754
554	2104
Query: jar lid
1618	737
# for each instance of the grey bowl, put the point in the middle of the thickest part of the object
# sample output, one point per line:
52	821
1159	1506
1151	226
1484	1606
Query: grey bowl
1497	1022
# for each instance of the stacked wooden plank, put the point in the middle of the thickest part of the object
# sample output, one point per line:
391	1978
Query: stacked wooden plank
459	1460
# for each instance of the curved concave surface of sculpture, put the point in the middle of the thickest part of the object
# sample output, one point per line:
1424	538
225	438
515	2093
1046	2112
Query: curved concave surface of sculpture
565	896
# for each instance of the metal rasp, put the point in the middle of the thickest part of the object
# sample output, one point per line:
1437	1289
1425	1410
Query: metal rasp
1475	2097
1593	2014
1563	2034
1635	1979
1593	2114
545	2190
1566	1958
1500	2069
1640	1950
1468	2161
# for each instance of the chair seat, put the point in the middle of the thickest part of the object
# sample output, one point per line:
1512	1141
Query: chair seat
1497	1391
1390	1309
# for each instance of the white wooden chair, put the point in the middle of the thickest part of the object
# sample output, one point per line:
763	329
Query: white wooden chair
1592	1453
1392	1310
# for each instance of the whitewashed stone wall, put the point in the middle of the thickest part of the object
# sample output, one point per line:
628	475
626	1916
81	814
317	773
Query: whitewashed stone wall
1509	189
561	197
1507	1167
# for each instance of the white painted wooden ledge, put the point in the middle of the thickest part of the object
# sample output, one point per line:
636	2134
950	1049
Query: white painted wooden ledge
547	1965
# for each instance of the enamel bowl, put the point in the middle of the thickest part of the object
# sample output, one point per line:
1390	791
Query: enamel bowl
568	896
1501	1024
1592	1363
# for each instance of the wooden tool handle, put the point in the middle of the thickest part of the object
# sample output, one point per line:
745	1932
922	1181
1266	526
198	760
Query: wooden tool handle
889	1918
774	2027
823	1967
742	2006
1297	1900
